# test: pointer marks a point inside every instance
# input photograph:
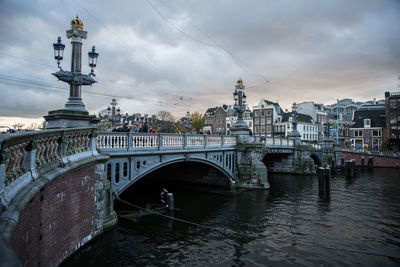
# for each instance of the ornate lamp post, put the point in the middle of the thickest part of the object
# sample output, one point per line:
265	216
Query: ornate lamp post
115	112
294	134
240	127
74	114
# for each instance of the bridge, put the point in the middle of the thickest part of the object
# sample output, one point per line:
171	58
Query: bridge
134	155
58	184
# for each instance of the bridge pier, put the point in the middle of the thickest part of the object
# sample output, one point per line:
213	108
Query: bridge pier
251	171
104	194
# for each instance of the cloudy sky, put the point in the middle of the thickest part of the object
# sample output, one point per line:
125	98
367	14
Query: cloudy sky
183	56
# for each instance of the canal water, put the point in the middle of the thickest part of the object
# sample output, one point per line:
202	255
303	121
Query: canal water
288	225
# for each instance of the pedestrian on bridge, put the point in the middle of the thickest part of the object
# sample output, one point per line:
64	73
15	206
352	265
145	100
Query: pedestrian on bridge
145	128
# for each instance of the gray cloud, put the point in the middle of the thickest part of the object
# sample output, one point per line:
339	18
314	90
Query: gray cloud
309	50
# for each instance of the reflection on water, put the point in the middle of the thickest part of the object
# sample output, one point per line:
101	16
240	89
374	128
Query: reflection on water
288	225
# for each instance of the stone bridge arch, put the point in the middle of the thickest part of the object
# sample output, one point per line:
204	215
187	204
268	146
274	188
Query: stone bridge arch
316	158
123	172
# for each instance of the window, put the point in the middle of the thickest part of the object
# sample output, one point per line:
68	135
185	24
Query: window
257	121
256	113
377	133
358	133
250	124
256	129
262	113
269	120
262	121
367	123
268	112
262	130
268	129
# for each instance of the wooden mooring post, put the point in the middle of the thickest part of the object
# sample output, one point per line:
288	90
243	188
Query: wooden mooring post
350	168
324	185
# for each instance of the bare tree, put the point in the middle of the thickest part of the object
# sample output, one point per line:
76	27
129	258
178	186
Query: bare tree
165	116
33	126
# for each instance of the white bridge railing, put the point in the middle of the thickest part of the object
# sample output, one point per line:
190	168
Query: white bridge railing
272	141
144	141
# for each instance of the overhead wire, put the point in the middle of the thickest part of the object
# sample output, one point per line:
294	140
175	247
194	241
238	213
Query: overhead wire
176	27
26	60
124	43
52	87
216	44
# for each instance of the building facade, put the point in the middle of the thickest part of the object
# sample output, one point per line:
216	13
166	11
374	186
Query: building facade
347	106
265	114
368	129
305	126
317	113
215	121
392	112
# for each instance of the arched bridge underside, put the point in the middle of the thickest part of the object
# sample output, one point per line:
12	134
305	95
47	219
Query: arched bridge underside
126	168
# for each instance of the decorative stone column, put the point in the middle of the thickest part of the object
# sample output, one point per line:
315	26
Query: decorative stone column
74	113
240	128
76	34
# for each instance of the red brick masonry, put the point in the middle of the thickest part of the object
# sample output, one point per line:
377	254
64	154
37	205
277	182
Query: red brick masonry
379	161
57	220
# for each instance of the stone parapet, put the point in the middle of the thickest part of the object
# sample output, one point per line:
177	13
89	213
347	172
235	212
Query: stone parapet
45	176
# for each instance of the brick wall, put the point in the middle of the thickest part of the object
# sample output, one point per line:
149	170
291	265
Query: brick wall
58	220
379	161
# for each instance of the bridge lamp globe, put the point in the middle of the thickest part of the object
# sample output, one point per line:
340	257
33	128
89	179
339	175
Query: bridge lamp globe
93	55
58	50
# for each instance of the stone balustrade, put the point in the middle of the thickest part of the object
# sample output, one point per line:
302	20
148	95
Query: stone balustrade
312	145
272	141
126	141
214	141
32	151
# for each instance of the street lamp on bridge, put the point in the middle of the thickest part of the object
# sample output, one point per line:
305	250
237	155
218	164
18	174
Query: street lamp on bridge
294	134
74	113
240	128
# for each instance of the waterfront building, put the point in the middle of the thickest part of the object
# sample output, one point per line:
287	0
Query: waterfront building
367	131
265	114
340	118
215	121
317	113
339	124
347	106
392	112
306	126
